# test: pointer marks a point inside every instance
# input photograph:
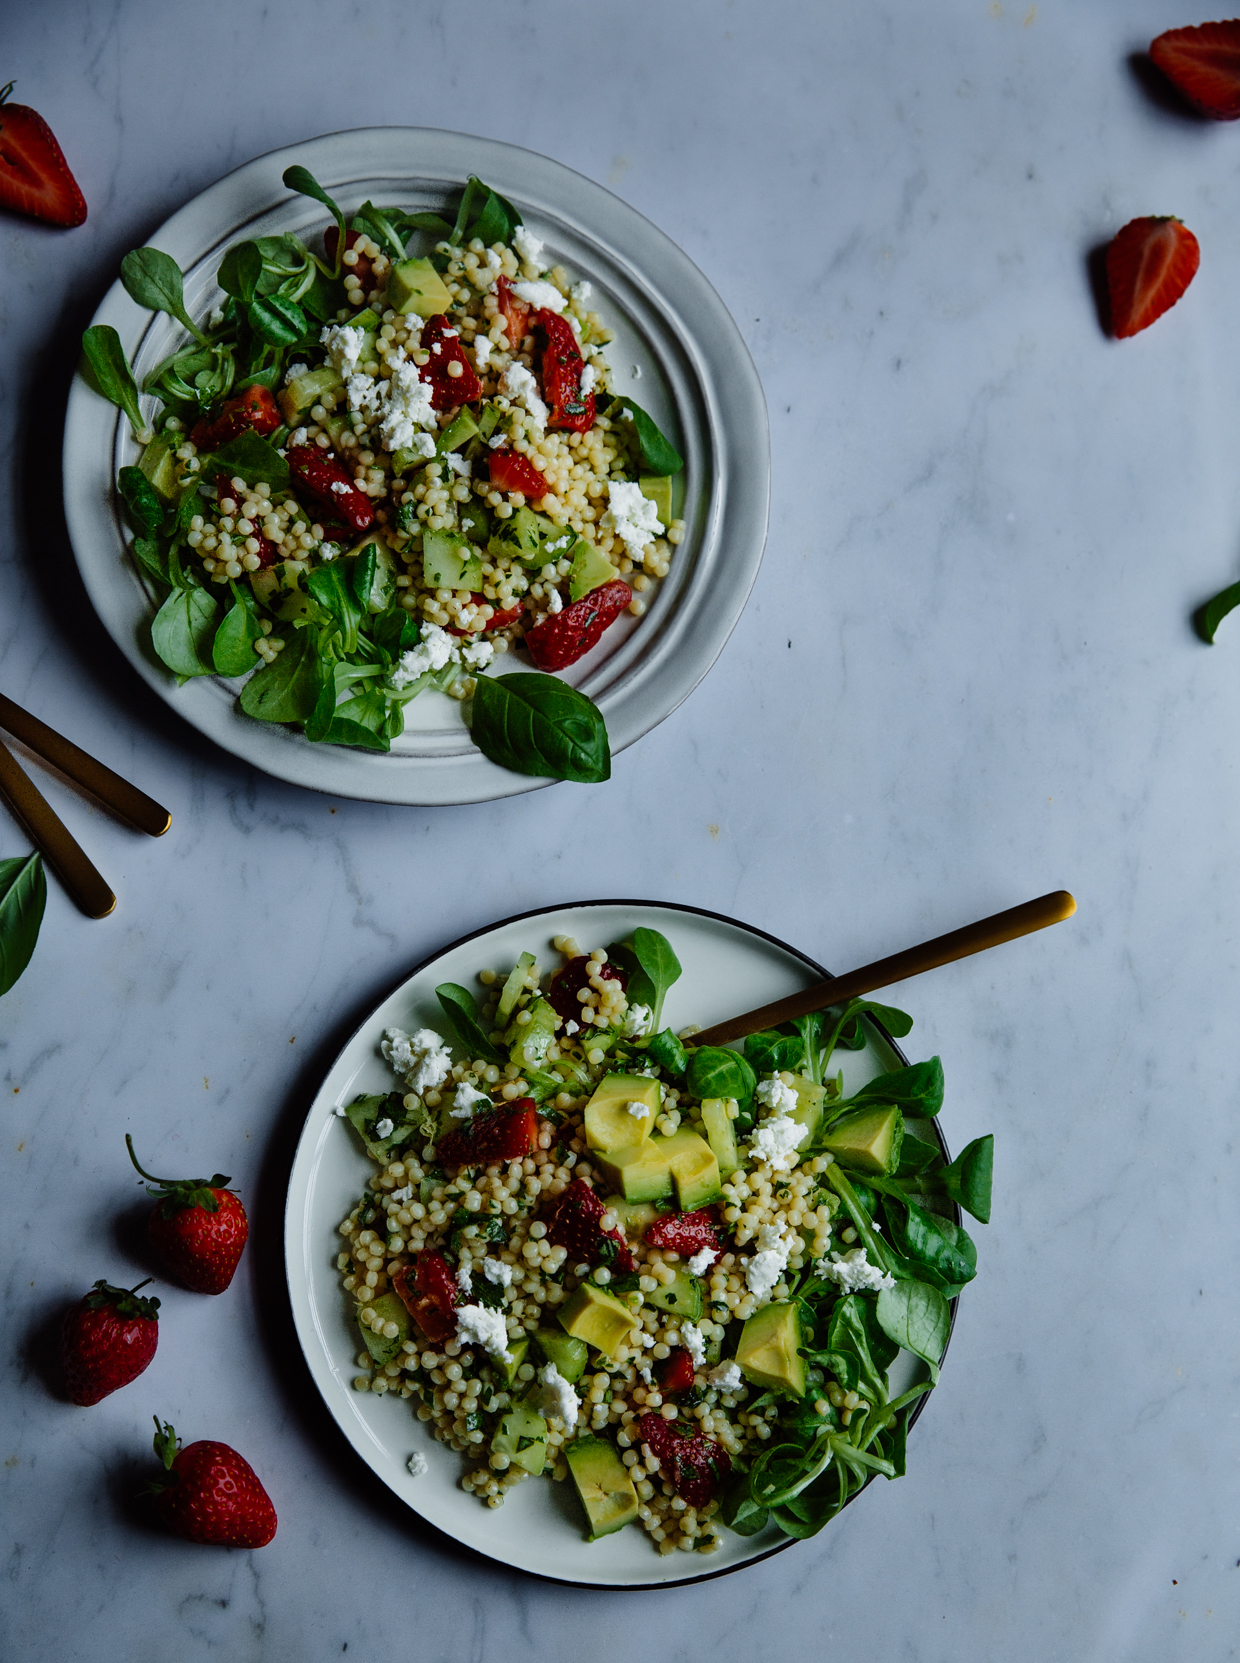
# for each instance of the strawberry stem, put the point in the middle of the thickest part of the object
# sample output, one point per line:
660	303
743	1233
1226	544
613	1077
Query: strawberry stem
5	91
184	1192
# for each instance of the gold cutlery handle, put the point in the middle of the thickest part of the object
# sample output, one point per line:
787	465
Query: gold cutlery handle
48	834
113	792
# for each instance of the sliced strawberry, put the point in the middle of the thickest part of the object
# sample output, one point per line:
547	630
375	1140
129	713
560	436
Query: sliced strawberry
34	176
432	1300
572	1221
1204	65
1150	263
320	476
562	369
497	620
443	342
364	270
676	1372
252	411
514	311
507	1134
566	984
685	1233
566	636
510	471
693	1465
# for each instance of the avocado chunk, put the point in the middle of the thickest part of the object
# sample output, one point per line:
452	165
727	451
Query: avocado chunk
808	1111
449	562
590	570
516	1352
404	459
415	286
569	1355
158	464
694	1169
305	391
609	1120
867	1140
657	488
597	1317
683	1296
635	1217
522	1437
603	1483
528	1041
513	988
367	320
768	1352
389	1307
641	1172
719	1134
461	431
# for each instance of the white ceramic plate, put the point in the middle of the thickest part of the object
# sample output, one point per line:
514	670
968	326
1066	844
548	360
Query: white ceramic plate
728	967
676	351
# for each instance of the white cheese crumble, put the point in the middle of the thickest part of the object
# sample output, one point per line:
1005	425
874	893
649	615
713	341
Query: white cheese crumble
854	1272
466	1100
294	370
384	1128
554	1397
341	488
632	516
775	1141
406	410
776	1096
544	297
528	246
727	1376
701	1261
433	651
589	379
476	1325
571	1027
582	291
458	465
637	1021
482	351
422	1059
344	346
639	1111
694	1342
497	1271
464	1280
767	1265
478	654
418	1465
341	1111
405	1193
519	385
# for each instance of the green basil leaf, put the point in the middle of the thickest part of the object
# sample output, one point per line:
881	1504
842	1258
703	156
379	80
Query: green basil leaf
250	457
300	179
279	321
151	558
182	630
461	1009
659	454
154	280
536	724
1208	617
659	964
240	270
23	895
232	651
770	1052
287	689
968	1179
917	1089
141	498
939	1251
916	1317
110	368
714	1071
666	1049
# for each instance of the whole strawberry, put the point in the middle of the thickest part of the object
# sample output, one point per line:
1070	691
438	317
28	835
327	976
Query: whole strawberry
106	1340
209	1493
198	1229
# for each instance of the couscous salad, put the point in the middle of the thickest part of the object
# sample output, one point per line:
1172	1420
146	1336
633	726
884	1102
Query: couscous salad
677	1275
374	471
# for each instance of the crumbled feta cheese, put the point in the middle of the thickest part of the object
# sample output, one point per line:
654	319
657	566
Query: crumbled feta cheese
294	370
478	654
418	1464
775	1141
544	297
433	651
468	1099
436	348
519	385
694	1342
341	488
528	246
422	1059
482	351
854	1272
458	465
554	1397
571	1027
364	394
767	1265
384	1128
341	1111
632	516
496	441
776	1096
344	346
637	1021
406	412
639	1111
464	1280
589	380
701	1262
405	1193
298	436
476	1325
727	1376
495	1270
555	603
582	291
644	1372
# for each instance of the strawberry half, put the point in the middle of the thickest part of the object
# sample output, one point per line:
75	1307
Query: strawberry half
1150	263
34	176
106	1340
432	1299
695	1466
685	1233
572	1221
1204	65
209	1493
504	1134
198	1230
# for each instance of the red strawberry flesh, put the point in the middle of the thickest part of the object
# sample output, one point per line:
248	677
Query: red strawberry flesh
685	1233
432	1299
572	1221
320	477
506	1134
566	636
1204	65
1150	263
694	1466
252	411
676	1372
510	471
562	369
442	341
211	1494
35	179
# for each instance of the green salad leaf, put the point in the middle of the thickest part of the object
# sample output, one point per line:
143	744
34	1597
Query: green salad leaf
141	498
23	896
1210	616
714	1071
154	280
968	1179
182	630
240	271
110	368
659	454
287	689
537	724
917	1317
300	179
461	1009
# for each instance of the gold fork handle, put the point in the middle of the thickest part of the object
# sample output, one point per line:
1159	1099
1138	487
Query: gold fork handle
49	834
113	792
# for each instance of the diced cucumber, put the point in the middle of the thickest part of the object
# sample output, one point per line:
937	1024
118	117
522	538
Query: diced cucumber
522	1437
449	562
590	570
684	1296
304	391
458	433
528	1041
657	488
512	988
568	1353
389	1307
158	463
516	1351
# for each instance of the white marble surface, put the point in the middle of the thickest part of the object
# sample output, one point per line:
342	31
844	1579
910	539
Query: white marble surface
966	676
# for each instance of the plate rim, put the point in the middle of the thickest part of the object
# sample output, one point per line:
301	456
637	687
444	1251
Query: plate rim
292	1239
723	378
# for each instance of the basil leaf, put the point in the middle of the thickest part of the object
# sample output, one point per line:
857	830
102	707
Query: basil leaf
659	455
536	724
770	1052
152	559
300	179
240	270
461	1009
666	1050
428	222
917	1317
141	498
968	1179
659	964
154	280
110	367
939	1251
278	320
344	730
714	1071
287	689
252	458
182	629
23	895
917	1089
916	1156
232	651
1208	617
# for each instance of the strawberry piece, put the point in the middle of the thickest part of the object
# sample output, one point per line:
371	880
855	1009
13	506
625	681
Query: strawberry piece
515	312
498	620
1150	263
695	1466
510	471
443	342
321	477
507	1134
562	369
34	176
432	1300
252	411
566	636
364	270
685	1233
572	1221
209	1493
198	1230
566	984
676	1372
106	1340
1204	65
